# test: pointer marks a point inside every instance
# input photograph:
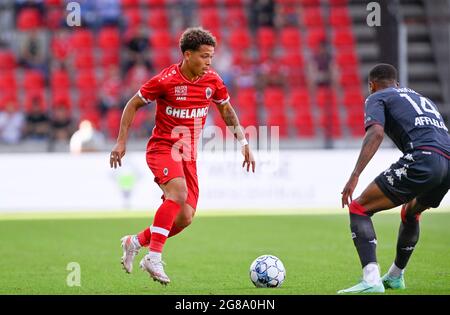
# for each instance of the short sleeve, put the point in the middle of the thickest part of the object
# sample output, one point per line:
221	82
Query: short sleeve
151	90
374	111
220	95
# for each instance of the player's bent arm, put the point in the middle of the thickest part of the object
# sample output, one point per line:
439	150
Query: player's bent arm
127	117
371	143
231	120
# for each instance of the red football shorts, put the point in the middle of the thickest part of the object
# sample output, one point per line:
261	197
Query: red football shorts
165	167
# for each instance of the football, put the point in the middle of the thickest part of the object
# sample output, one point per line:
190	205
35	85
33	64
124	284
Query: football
267	271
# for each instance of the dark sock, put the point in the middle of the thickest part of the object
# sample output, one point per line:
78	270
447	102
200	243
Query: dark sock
364	238
408	236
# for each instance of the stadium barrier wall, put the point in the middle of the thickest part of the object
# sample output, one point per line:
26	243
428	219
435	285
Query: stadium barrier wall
300	180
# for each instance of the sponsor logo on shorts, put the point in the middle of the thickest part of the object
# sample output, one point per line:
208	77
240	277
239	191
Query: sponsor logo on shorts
165	171
399	172
390	180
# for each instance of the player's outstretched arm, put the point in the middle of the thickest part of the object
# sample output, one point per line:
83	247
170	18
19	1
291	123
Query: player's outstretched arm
232	121
128	114
372	140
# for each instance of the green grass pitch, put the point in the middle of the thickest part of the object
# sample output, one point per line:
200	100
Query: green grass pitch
214	254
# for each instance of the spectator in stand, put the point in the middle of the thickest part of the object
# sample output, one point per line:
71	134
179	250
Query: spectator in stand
33	51
262	13
11	124
61	124
86	139
137	51
323	68
37	125
135	77
110	89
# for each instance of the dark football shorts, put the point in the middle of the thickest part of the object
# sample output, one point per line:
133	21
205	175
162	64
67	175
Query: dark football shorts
420	173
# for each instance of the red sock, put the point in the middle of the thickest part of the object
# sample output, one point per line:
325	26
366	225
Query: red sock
162	224
356	208
144	237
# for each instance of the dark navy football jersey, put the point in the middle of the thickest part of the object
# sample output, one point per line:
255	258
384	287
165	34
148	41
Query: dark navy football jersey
409	119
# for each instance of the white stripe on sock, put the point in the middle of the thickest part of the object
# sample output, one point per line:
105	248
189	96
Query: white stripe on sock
155	229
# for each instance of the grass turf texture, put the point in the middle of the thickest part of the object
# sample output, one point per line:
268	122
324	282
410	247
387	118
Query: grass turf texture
214	254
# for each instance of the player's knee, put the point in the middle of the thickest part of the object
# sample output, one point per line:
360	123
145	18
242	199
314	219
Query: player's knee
408	215
179	196
356	207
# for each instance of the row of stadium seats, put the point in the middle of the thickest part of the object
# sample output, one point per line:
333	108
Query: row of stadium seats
88	53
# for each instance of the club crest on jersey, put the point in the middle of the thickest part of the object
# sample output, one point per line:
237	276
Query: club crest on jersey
181	92
208	92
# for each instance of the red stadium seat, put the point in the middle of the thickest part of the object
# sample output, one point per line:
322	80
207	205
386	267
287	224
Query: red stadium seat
346	59
161	40
31	96
206	3
110	57
129	3
339	17
132	17
56	3
299	101
91	115
355	123
7	60
29	19
61	98
308	2
315	36
290	38
8	82
349	78
266	38
325	97
312	17
113	122
155	3
343	38
209	18
60	47
293	64
158	20
82	39
161	61
232	2
246	104
59	80
274	103
353	97
86	80
109	38
33	80
239	39
236	17
330	121
84	60
87	100
55	16
338	2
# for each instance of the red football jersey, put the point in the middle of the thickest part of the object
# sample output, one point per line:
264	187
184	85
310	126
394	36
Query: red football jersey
181	105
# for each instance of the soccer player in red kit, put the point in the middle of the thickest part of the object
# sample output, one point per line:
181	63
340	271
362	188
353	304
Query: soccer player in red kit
183	93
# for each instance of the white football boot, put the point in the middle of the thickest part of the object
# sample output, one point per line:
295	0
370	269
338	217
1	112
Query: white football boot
155	267
130	250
